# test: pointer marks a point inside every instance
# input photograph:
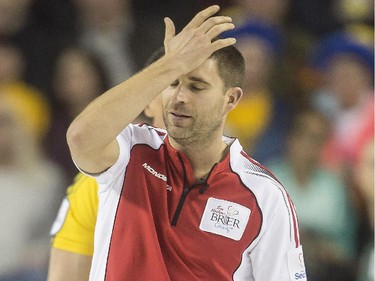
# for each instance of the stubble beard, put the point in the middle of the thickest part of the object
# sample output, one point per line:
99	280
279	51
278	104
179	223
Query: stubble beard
199	132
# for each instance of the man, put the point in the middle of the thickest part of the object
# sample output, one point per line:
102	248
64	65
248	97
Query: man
188	204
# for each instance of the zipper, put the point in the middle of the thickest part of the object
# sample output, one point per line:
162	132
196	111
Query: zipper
187	189
184	194
179	206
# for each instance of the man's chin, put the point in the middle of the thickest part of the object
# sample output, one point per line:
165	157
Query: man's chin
179	133
177	128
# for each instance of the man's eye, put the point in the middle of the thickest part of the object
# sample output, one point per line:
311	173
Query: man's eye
195	88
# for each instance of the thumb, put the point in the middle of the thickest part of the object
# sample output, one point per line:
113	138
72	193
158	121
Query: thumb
170	30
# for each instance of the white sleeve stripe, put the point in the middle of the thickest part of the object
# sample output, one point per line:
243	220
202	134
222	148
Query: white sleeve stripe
294	236
294	231
253	167
295	223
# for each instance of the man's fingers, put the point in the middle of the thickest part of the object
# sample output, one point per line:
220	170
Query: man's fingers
218	29
205	24
222	43
202	16
212	22
198	35
170	30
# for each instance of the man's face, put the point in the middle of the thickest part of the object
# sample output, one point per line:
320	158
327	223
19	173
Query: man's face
193	105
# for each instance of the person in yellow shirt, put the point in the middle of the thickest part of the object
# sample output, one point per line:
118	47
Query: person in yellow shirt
72	232
259	121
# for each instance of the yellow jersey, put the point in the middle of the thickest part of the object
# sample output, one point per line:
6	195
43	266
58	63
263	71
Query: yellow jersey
74	226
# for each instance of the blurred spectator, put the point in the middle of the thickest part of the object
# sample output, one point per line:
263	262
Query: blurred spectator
29	184
346	95
320	17
78	78
363	177
306	23
327	223
314	17
38	38
260	120
105	28
354	11
11	62
13	15
272	12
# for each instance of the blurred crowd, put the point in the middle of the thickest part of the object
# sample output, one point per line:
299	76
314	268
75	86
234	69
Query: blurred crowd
307	112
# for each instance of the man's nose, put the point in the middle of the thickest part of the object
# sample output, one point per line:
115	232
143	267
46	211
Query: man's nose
179	95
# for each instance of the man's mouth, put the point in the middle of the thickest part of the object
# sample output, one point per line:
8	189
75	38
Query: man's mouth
179	118
179	115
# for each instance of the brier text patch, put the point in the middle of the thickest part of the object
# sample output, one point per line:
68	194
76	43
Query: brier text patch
225	218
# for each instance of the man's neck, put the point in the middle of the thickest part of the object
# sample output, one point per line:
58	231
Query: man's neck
203	156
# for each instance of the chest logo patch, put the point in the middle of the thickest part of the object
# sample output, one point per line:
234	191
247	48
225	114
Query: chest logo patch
225	218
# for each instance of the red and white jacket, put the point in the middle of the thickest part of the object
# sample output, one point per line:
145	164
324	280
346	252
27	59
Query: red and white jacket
156	223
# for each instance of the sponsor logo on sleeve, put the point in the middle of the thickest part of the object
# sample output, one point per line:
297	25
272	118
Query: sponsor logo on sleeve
296	265
225	218
156	174
153	172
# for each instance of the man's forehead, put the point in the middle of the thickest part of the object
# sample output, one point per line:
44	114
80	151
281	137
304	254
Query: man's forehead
207	71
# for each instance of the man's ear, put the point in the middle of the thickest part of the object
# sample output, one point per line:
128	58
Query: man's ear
234	95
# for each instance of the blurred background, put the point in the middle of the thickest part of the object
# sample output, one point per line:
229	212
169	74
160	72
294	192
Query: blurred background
307	113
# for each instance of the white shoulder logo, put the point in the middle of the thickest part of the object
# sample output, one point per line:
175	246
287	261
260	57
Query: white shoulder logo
153	172
225	218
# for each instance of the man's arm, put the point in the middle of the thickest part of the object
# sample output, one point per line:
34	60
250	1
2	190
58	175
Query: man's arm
70	266
278	254
92	135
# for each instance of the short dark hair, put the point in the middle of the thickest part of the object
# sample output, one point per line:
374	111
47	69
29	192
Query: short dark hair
230	65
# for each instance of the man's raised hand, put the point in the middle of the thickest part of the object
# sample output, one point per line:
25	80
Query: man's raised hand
194	44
